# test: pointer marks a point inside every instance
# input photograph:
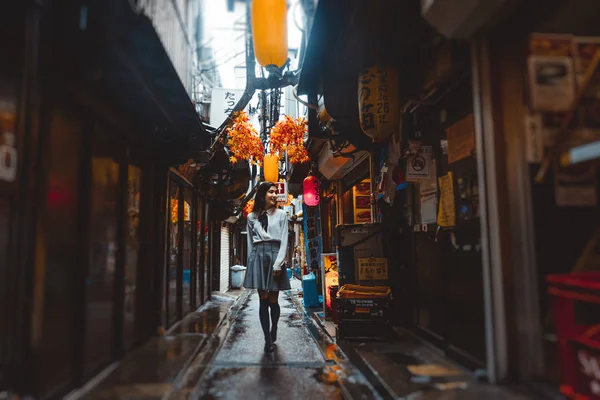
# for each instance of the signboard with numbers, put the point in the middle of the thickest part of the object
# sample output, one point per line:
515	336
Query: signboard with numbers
372	269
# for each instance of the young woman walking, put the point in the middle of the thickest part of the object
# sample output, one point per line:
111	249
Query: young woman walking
267	247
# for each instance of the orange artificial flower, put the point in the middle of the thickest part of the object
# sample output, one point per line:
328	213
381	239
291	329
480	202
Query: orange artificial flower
248	208
243	141
288	135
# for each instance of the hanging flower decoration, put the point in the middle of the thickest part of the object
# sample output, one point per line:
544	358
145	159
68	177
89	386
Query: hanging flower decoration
290	199
248	208
288	135
243	141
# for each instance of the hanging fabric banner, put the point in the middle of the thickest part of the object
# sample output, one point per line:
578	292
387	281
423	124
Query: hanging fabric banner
312	236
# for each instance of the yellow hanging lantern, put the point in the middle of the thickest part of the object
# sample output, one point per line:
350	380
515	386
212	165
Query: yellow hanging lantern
378	102
269	32
271	165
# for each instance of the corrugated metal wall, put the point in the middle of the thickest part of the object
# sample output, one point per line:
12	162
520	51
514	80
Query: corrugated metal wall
225	258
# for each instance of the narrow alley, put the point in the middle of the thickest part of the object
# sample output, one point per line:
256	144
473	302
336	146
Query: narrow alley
297	369
415	181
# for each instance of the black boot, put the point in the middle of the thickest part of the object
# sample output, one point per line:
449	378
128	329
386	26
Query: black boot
263	314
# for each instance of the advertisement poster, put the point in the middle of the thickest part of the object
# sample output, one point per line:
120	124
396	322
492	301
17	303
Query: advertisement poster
575	186
461	139
550	44
330	272
312	236
418	166
372	269
447	212
551	83
362	202
585	49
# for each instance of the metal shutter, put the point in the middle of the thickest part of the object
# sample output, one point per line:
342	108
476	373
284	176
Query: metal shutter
225	258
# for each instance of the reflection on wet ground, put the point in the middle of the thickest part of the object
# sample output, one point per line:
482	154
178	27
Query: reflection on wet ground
150	371
296	369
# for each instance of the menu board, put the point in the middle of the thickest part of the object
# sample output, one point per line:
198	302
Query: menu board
362	202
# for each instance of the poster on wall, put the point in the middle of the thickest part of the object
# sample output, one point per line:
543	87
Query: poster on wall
447	212
330	272
461	139
576	185
584	50
551	83
419	165
362	202
551	44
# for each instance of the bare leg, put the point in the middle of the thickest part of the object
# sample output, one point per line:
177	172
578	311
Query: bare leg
275	312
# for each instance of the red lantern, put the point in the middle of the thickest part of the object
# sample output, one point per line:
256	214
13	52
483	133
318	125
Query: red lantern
312	191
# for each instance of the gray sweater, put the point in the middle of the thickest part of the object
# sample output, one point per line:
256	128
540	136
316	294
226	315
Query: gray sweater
277	230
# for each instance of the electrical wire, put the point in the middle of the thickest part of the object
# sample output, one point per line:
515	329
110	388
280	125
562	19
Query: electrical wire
305	104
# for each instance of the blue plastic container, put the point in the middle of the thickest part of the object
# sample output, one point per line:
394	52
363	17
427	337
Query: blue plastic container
186	276
289	272
309	287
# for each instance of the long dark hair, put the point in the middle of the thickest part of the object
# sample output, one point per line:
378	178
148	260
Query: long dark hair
259	198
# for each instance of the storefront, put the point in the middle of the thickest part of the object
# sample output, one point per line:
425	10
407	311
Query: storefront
424	180
185	276
85	210
547	211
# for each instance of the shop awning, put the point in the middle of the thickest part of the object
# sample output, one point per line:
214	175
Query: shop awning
137	76
349	35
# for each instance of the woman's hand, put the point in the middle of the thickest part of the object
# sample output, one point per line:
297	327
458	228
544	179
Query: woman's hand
276	273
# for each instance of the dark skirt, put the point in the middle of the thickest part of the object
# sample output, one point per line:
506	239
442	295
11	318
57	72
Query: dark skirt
259	272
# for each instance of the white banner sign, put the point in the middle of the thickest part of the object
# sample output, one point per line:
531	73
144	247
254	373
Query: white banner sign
222	103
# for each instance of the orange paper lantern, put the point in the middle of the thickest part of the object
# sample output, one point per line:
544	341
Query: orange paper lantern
269	32
271	164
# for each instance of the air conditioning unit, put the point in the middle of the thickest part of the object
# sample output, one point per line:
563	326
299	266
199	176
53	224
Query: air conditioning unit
460	18
333	167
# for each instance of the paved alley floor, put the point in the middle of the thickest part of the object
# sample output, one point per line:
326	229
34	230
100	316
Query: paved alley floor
297	369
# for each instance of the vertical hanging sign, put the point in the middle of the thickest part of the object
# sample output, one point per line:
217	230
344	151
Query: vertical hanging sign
446	212
312	236
222	103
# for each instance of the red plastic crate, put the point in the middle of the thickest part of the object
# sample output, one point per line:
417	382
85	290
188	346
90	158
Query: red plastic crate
586	362
570	291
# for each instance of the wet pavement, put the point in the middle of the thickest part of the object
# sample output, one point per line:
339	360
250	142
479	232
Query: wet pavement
304	365
152	370
406	368
217	353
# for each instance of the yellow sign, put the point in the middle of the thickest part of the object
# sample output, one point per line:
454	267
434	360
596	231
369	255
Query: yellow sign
461	139
446	213
372	269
